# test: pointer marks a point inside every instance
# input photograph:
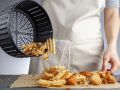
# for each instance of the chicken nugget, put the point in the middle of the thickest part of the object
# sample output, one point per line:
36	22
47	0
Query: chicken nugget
54	71
87	74
109	78
102	74
72	80
95	79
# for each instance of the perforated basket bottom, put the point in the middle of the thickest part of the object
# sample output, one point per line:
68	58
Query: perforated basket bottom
21	29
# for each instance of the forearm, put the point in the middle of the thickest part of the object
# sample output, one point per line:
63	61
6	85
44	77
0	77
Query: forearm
111	23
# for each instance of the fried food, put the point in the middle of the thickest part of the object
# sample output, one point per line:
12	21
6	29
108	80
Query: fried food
72	80
86	74
102	74
60	68
51	46
40	49
54	49
76	78
67	75
48	45
47	83
51	77
43	82
46	76
54	71
58	83
109	79
34	49
95	79
81	79
58	76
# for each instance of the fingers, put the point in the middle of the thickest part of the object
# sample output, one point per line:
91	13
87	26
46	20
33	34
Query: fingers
113	69
105	63
111	57
114	66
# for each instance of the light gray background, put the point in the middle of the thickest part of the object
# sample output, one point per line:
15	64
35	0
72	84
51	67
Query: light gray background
10	65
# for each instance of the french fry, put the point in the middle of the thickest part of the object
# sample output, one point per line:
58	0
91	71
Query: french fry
45	45
50	43
38	49
48	46
54	47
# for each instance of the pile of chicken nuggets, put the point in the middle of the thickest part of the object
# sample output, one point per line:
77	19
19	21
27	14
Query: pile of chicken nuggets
58	76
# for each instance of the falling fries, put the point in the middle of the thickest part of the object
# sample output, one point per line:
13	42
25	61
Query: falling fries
54	46
40	49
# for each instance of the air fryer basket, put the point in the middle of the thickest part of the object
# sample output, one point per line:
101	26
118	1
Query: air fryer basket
23	23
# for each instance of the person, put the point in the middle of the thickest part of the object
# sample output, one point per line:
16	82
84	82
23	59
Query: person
79	22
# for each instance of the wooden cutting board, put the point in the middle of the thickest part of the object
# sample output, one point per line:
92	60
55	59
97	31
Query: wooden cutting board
31	81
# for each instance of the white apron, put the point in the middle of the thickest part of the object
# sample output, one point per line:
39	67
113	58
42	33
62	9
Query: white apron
79	22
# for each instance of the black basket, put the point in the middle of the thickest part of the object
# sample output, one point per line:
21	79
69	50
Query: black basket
23	23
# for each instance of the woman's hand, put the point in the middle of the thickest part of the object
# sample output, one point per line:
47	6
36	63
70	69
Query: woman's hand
111	23
111	57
